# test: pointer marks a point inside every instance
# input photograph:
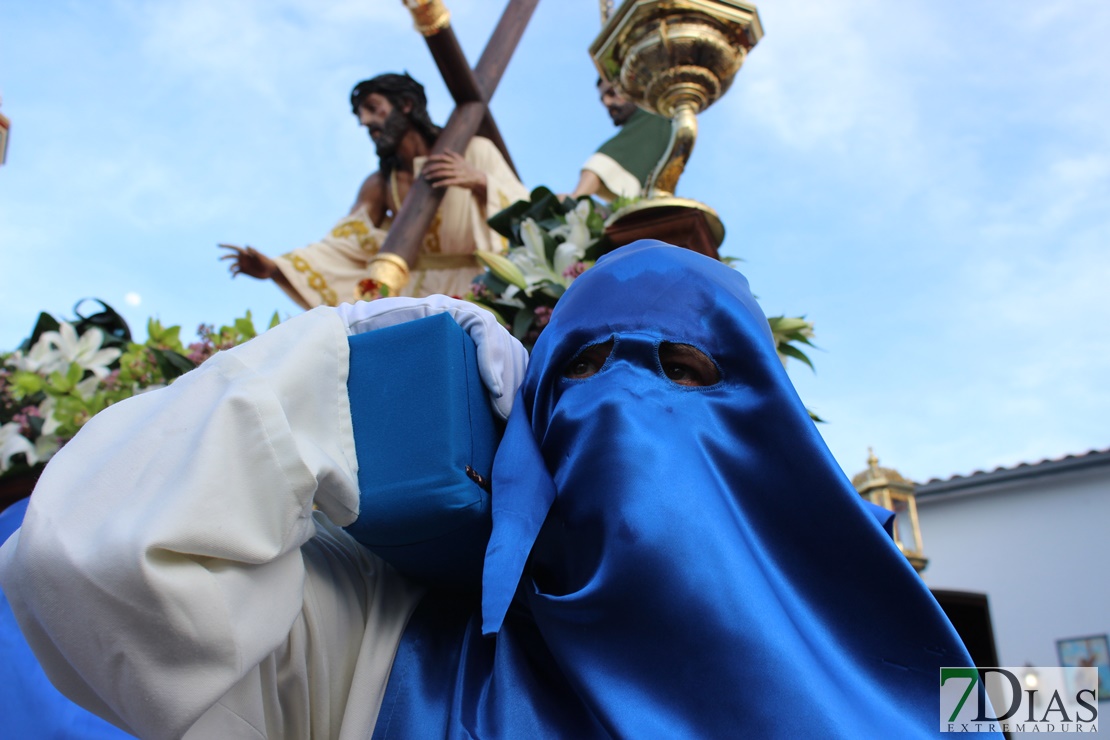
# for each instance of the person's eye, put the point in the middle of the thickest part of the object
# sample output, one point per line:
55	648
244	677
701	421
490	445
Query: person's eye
687	365
588	361
678	372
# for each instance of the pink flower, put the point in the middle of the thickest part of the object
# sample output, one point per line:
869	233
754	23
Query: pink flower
574	270
200	351
111	382
23	419
543	315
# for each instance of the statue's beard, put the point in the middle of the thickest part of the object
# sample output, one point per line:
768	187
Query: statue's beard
389	138
621	113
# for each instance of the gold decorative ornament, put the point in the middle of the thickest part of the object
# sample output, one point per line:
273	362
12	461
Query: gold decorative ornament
606	8
386	269
675	58
429	16
887	488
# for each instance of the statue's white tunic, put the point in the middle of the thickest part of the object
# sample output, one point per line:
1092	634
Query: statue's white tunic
328	271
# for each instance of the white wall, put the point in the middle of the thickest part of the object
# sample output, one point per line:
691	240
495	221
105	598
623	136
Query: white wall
1040	550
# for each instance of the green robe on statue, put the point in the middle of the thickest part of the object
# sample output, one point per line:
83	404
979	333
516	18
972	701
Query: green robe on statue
624	162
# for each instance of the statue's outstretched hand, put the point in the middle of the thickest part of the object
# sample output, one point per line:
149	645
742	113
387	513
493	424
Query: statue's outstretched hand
451	169
249	261
502	360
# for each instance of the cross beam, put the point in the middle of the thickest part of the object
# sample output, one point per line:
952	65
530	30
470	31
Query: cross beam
472	90
462	84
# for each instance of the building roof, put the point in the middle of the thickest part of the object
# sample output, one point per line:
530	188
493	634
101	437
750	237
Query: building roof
980	479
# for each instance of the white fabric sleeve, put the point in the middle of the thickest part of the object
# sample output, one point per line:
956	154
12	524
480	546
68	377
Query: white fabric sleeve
159	574
615	179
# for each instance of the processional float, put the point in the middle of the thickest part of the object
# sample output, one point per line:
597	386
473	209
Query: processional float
671	57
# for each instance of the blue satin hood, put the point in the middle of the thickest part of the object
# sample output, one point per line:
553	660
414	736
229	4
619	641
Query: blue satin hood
673	561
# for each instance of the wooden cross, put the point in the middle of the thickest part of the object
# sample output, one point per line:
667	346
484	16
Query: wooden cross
472	90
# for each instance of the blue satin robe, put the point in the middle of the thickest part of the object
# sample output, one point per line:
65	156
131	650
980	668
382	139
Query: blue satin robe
670	561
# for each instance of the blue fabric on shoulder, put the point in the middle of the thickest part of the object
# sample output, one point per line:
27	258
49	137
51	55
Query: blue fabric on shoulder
422	420
670	560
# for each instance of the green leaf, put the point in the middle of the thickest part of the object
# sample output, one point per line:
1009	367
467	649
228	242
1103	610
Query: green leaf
506	221
595	223
540	194
783	324
74	373
163	337
493	283
244	327
544	206
522	322
796	353
553	290
165	368
57	384
548	246
43	324
274	320
23	383
154	330
598	248
174	364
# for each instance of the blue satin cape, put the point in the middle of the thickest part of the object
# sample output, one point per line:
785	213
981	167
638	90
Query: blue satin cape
671	561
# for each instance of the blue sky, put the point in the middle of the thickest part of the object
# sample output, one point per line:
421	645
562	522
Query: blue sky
927	181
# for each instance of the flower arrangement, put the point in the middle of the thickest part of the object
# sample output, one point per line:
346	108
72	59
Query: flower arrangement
68	371
551	242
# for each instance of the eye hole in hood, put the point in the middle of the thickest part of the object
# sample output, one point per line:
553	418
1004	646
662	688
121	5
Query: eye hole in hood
682	364
588	361
685	364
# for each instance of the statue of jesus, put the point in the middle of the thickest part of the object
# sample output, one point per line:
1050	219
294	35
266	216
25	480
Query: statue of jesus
393	108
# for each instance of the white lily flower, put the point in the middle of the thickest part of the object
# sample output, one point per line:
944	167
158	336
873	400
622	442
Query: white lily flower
532	259
575	230
533	241
43	357
13	443
87	387
50	423
84	350
509	297
45	447
566	254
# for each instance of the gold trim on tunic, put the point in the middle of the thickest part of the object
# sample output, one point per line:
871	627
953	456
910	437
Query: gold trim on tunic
316	281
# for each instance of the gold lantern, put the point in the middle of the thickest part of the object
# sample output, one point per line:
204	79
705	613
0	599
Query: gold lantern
887	488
